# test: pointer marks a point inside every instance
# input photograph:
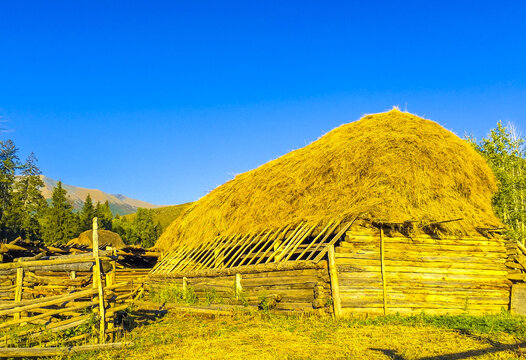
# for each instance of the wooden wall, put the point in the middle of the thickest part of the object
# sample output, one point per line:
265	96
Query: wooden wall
299	286
422	273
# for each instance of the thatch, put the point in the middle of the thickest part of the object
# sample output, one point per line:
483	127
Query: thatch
106	238
391	166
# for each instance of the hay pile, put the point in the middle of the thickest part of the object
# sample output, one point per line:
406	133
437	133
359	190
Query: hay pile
106	238
391	166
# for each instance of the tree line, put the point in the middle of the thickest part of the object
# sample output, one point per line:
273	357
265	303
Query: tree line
25	213
505	151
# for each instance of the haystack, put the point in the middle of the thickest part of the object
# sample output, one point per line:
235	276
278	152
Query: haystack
390	167
106	238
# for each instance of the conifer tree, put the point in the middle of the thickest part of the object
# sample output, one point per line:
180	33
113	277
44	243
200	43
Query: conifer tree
87	214
104	215
60	224
29	199
147	231
9	163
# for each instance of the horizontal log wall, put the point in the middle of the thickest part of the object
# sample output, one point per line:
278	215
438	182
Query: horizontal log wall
438	276
304	288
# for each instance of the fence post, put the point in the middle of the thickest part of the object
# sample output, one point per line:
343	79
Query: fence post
335	286
382	264
18	288
97	282
185	287
239	288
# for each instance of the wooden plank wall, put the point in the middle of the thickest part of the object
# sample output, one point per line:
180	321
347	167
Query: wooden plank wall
303	290
438	276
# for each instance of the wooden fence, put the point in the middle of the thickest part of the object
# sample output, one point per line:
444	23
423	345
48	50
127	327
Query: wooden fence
64	293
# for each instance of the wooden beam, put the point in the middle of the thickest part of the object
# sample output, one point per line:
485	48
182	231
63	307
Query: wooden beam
282	245
325	238
334	239
97	282
239	288
280	235
382	264
211	260
48	314
314	241
238	253
335	286
28	264
176	261
58	351
246	246
189	258
205	251
262	242
294	248
18	288
241	242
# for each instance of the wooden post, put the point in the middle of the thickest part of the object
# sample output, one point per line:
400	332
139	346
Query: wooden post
335	286
382	264
110	280
185	287
97	282
239	288
18	288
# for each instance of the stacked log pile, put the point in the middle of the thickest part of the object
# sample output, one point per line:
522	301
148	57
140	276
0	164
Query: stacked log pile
294	286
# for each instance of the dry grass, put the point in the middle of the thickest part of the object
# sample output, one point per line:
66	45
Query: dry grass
391	166
106	238
180	336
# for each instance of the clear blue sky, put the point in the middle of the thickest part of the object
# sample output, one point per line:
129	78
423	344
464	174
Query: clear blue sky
164	101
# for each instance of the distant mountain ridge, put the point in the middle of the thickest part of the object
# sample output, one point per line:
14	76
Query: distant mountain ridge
119	204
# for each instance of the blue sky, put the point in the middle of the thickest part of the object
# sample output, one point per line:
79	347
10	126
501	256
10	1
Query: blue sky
164	101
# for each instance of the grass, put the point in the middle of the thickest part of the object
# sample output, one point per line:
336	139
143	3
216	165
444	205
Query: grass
260	336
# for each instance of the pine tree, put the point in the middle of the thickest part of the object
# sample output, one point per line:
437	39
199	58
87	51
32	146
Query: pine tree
9	163
104	215
147	231
60	223
87	214
29	199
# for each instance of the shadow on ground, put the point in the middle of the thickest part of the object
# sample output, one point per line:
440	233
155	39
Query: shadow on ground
518	348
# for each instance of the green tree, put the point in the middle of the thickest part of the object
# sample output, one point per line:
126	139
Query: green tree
87	214
9	163
28	199
104	215
141	231
60	223
506	155
126	230
147	231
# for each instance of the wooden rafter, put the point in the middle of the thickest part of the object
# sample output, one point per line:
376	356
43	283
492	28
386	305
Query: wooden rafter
285	244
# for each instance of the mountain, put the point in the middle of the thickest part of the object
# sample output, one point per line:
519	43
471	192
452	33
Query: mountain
119	204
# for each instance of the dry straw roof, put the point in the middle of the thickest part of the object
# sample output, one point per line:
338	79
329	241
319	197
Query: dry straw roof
391	166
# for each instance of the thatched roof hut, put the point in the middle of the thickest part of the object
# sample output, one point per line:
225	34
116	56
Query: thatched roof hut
391	166
106	238
405	203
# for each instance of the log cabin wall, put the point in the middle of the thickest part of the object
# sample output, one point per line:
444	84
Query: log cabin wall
422	273
298	286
